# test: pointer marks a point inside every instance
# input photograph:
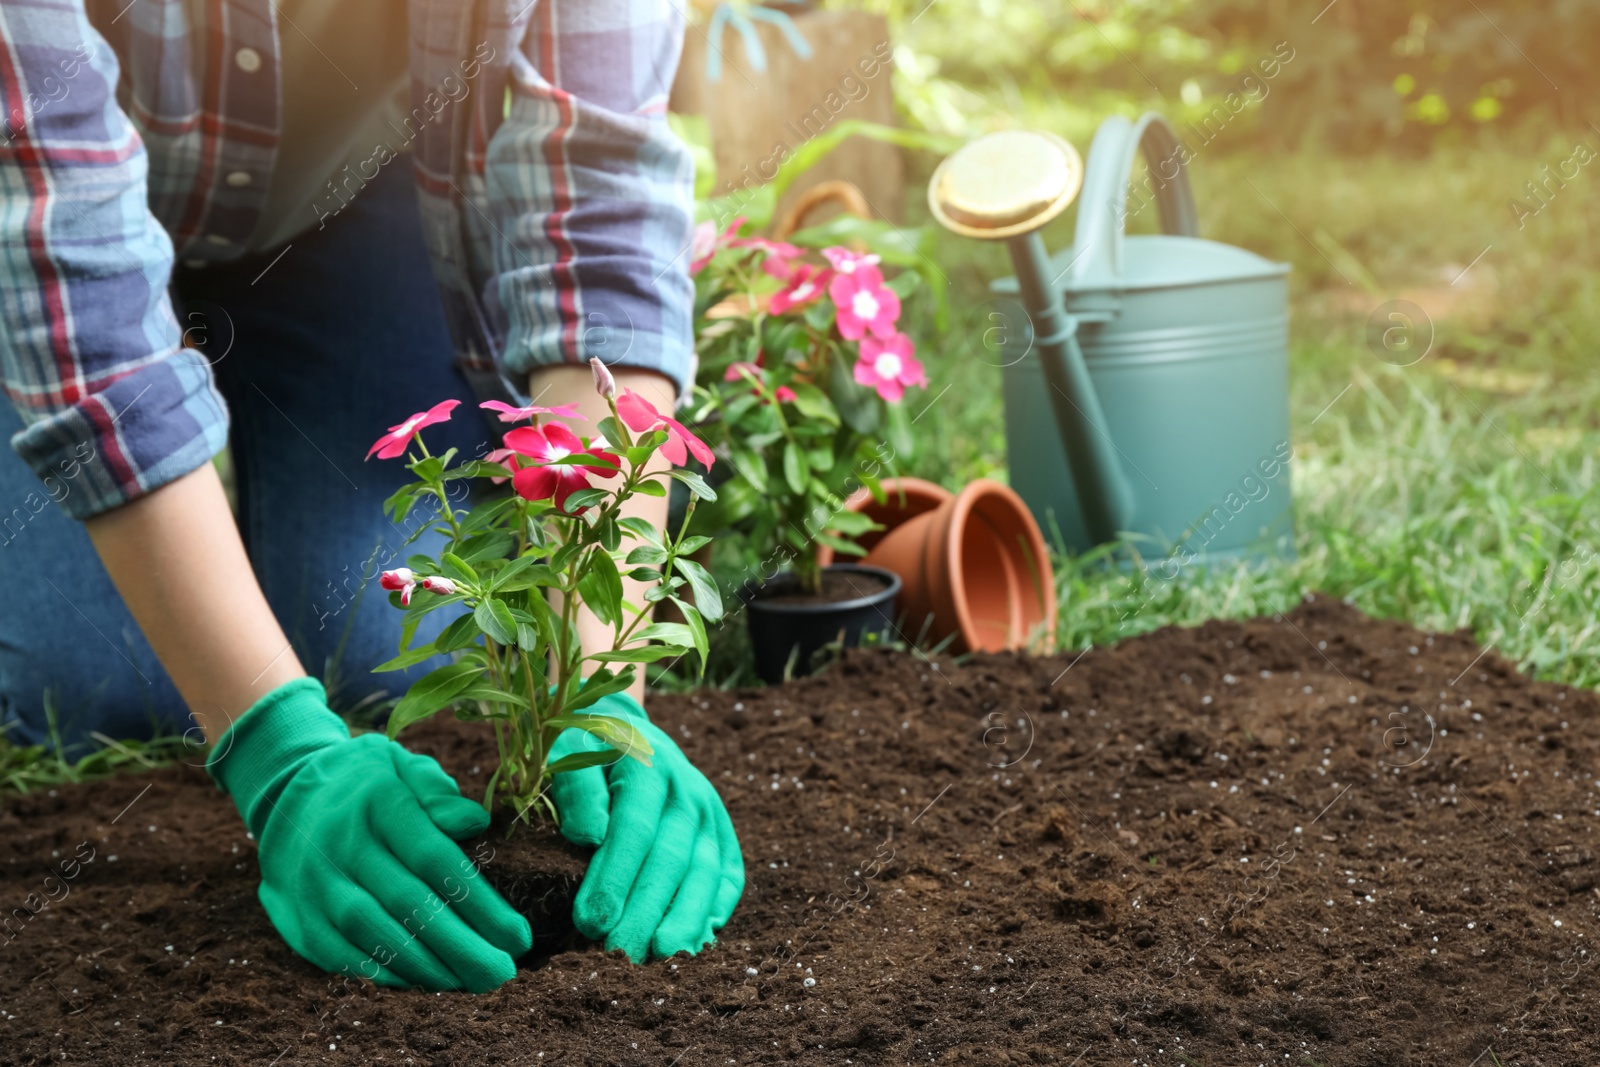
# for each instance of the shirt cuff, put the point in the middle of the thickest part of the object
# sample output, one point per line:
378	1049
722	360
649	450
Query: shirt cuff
142	431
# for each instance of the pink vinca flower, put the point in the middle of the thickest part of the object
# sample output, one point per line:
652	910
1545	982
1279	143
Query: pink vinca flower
395	442
641	416
777	254
401	580
847	262
865	304
516	414
442	586
806	283
554	441
888	366
707	241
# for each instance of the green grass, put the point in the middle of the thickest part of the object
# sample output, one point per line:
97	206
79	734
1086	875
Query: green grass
25	768
1458	492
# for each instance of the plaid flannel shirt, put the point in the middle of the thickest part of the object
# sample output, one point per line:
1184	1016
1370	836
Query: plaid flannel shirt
556	202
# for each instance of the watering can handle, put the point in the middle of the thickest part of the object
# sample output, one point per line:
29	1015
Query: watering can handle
1103	204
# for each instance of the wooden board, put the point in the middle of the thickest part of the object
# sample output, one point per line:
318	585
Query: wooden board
757	118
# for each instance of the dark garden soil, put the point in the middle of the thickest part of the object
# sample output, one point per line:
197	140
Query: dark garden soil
1312	840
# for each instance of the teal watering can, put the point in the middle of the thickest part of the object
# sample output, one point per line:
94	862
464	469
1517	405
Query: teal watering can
1145	377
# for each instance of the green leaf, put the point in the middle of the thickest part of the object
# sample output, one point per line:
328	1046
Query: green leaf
409	658
618	733
537	537
577	761
489	545
848	548
639	654
640	530
420	606
759	441
400	501
585	498
651	487
697	485
529	637
477	468
524	572
858	407
581	459
796	471
707	595
459	634
491	694
900	432
458	568
610	535
814	404
601	588
852	523
494	618
430	693
602	683
429	469
673	633
647	554
697	630
738	500
691	545
750	465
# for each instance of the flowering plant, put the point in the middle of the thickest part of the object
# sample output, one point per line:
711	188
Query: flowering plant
803	370
517	660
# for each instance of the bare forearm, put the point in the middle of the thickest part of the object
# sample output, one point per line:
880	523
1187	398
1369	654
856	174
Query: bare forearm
176	558
555	385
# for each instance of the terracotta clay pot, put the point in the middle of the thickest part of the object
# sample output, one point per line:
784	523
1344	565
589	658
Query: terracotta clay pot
973	564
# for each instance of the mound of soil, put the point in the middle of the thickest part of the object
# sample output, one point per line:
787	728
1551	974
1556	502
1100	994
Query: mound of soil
1315	839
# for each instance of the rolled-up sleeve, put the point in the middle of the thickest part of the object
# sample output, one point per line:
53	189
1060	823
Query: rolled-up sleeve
90	348
593	192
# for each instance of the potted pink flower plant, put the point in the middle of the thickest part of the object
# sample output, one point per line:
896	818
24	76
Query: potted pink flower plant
802	383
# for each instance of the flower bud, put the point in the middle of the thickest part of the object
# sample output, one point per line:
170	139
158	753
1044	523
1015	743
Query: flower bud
604	383
442	586
397	579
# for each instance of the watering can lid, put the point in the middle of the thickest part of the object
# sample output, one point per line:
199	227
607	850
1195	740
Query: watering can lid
1160	261
1103	259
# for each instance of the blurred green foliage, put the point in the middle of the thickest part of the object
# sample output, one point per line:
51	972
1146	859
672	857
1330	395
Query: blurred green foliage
1350	74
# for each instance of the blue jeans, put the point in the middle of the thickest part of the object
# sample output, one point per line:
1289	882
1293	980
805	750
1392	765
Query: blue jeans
316	353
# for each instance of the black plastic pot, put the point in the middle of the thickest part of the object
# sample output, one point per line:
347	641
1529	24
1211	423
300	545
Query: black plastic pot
785	633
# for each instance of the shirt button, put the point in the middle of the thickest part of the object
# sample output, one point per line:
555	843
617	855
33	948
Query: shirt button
218	239
239	178
249	60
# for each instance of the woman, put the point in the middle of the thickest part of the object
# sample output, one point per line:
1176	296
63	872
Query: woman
284	225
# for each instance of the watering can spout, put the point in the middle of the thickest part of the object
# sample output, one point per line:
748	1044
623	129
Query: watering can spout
1103	490
1007	186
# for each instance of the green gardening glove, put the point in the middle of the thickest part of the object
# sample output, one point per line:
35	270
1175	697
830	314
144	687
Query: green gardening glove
668	871
359	872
